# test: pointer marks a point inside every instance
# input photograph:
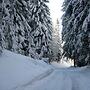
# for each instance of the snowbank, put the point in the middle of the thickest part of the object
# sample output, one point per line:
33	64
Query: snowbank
16	70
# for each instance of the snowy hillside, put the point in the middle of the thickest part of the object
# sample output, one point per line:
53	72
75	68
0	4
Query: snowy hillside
17	70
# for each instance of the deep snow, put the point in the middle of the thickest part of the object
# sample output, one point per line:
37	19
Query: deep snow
18	72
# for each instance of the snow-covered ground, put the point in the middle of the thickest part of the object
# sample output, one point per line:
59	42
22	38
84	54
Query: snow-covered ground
18	72
64	79
61	65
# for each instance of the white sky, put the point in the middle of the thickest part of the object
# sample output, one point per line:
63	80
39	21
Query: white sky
55	9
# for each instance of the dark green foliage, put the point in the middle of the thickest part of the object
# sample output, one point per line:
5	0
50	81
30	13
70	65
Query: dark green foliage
0	44
41	27
24	26
76	31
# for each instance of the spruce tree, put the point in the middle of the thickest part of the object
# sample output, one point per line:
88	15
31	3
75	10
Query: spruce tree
56	42
26	26
0	42
41	27
76	31
15	26
1	22
21	18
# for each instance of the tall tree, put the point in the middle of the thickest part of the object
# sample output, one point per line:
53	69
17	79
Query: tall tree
76	31
56	42
22	16
41	27
15	28
26	26
1	22
0	42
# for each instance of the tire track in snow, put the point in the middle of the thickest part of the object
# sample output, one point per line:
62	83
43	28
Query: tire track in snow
74	78
75	85
34	80
40	77
70	80
67	81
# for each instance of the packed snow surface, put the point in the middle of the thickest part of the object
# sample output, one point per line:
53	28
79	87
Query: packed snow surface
18	72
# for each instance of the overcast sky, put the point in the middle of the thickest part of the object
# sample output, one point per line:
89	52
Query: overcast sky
55	9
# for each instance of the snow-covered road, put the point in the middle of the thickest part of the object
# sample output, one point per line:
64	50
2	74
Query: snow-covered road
18	72
62	79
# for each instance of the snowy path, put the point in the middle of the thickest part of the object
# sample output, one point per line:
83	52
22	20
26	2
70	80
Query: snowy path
18	72
60	79
34	80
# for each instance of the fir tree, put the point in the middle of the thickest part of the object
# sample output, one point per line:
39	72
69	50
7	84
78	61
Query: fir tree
26	26
76	31
56	42
40	27
1	22
21	18
15	26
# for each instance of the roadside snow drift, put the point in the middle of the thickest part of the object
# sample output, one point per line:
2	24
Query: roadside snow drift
16	70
